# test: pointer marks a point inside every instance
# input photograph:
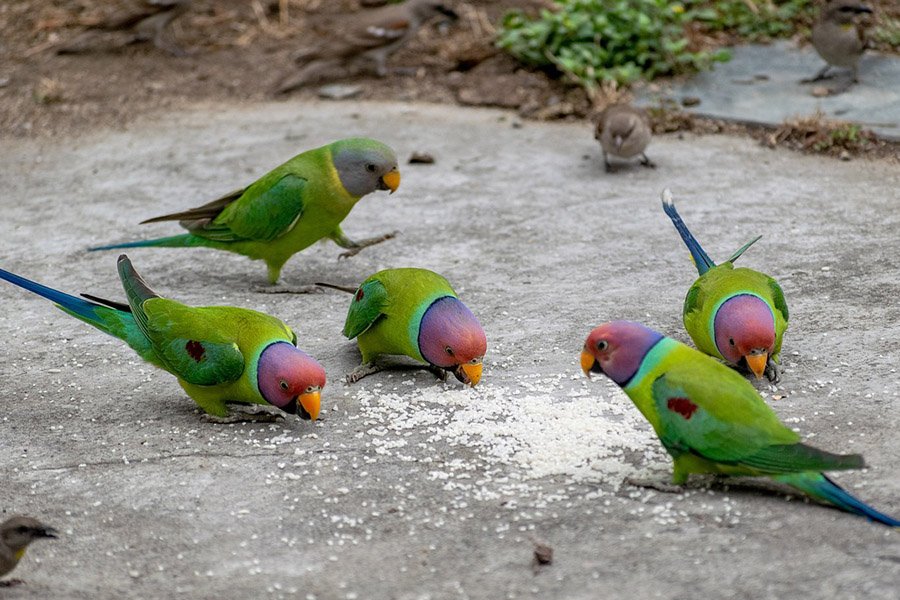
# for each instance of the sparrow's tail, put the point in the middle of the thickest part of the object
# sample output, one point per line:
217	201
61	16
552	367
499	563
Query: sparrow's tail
701	260
820	487
173	241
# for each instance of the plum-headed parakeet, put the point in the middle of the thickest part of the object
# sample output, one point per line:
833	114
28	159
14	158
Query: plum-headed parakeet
220	354
415	313
734	314
710	419
290	208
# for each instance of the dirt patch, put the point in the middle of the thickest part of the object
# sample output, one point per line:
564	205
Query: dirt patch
239	50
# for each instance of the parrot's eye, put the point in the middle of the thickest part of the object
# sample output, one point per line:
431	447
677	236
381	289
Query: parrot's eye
602	345
474	361
284	384
449	350
731	341
22	529
310	390
370	168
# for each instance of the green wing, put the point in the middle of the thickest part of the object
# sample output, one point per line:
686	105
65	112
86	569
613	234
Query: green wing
708	410
778	298
367	306
266	210
692	300
191	346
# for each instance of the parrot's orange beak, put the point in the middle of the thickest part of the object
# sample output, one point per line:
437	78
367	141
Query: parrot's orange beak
310	403
587	362
469	373
392	180
757	363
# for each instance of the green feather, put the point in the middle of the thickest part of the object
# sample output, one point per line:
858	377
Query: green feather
386	319
265	211
711	420
367	306
285	211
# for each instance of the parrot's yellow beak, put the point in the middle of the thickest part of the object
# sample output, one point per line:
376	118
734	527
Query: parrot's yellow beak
587	362
469	373
757	363
392	180
310	403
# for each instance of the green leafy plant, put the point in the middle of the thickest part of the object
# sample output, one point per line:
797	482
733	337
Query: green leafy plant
593	41
887	33
752	19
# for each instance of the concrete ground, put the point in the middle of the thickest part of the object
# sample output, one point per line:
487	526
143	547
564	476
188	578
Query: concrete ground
410	489
760	84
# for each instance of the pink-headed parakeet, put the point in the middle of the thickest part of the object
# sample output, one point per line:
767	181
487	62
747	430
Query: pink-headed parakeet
414	313
712	420
220	354
734	314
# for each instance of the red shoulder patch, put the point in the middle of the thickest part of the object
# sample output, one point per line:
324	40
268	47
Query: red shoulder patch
195	349
683	406
359	294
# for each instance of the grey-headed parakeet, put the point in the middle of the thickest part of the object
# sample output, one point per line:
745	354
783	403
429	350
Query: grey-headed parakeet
290	208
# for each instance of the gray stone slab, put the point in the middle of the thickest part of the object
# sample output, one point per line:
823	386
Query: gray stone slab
761	84
410	489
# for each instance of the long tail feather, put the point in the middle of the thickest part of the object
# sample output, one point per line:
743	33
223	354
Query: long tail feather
742	249
701	260
341	288
820	487
174	241
79	307
136	288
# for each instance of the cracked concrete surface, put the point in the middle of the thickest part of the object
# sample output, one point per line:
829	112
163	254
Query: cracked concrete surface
410	489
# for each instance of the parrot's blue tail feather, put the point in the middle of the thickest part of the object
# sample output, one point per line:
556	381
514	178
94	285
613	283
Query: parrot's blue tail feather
701	260
172	241
819	486
78	306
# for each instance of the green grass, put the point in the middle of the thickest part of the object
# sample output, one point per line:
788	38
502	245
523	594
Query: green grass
592	41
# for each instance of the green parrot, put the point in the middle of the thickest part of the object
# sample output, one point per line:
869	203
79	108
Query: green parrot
415	313
289	208
220	354
710	419
734	314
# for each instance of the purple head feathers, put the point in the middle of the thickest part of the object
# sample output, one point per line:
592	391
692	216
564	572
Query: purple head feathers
744	325
287	376
450	336
617	349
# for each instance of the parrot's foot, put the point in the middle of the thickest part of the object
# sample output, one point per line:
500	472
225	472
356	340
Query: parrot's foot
245	415
442	374
355	247
660	486
278	289
773	371
361	371
647	162
12	582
